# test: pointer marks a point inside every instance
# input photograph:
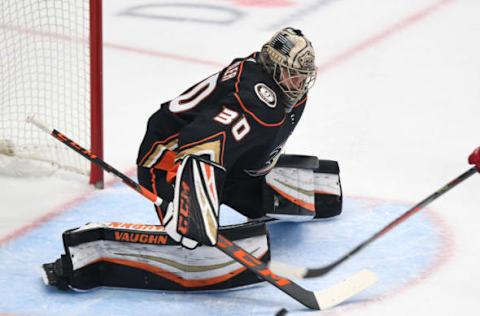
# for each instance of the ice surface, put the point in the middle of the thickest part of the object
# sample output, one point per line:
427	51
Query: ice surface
397	259
396	103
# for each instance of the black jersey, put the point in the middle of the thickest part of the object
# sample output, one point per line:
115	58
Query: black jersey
235	117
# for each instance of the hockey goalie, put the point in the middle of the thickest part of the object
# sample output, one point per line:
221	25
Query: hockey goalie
218	143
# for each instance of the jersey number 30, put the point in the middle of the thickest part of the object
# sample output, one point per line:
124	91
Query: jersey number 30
240	128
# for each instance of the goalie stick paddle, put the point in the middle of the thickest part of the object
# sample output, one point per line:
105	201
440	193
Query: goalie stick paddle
302	272
319	300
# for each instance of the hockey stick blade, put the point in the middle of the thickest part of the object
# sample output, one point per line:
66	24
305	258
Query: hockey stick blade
303	272
345	289
311	299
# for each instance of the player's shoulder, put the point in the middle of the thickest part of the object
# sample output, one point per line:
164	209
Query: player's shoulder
255	91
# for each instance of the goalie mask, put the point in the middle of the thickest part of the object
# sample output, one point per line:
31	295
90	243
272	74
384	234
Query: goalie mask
289	57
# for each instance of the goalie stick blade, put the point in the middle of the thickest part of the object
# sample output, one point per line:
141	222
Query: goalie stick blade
342	291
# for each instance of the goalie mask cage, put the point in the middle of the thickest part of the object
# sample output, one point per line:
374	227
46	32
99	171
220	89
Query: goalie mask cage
51	66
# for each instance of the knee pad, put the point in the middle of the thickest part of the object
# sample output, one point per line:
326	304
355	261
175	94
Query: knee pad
301	188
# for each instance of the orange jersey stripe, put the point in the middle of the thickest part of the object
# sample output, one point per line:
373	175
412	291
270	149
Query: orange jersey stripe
167	162
166	140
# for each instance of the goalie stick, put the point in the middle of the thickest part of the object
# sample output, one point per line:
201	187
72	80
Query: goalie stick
303	272
319	300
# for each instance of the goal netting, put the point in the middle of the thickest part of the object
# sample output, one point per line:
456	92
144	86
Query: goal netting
50	58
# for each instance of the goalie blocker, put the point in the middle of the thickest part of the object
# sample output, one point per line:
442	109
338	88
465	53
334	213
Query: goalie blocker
144	257
193	216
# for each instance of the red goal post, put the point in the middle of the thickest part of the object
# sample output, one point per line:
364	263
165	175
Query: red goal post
96	90
51	65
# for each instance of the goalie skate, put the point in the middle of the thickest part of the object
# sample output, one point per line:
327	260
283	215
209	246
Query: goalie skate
52	274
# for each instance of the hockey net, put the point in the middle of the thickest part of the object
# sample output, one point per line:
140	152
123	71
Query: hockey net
50	55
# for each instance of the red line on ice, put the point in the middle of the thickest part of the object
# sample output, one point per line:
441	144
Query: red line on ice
154	53
55	212
334	61
445	234
380	36
323	67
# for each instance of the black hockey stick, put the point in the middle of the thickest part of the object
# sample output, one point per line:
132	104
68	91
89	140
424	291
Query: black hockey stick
303	272
312	299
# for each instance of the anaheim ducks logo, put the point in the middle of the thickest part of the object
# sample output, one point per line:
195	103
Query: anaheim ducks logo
266	95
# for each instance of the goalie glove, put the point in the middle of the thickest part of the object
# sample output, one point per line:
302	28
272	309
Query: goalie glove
192	218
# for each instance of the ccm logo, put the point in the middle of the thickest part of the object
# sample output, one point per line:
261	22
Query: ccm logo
248	260
184	209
